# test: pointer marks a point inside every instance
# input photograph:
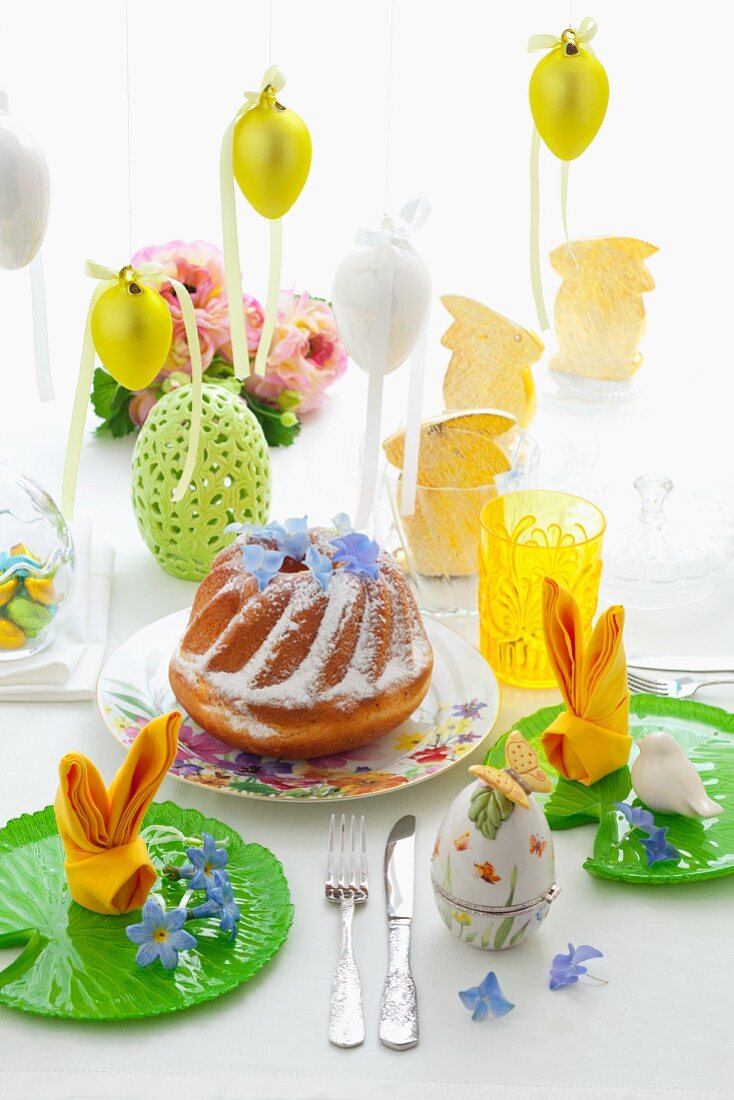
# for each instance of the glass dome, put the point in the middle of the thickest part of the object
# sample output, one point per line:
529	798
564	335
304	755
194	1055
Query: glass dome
36	565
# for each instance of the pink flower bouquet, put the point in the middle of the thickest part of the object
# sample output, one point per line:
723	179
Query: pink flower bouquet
306	355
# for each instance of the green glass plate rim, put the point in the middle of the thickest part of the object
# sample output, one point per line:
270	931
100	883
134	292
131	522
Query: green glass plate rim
200	823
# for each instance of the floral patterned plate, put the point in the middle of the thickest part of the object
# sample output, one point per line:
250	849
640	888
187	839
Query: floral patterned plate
458	713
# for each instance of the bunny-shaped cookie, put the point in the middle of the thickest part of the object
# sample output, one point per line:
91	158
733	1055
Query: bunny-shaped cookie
107	864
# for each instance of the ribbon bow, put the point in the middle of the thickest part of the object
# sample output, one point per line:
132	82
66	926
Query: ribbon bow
412	216
107	276
586	31
274	79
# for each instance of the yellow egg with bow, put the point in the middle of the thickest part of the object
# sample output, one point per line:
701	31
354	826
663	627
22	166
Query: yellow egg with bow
569	93
131	330
271	155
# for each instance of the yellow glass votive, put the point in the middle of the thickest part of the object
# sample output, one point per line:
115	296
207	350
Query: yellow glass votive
526	536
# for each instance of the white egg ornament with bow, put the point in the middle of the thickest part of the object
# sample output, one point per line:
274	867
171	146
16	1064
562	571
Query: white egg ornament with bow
24	201
129	327
381	299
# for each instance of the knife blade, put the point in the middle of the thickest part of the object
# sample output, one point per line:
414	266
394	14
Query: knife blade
680	663
398	1006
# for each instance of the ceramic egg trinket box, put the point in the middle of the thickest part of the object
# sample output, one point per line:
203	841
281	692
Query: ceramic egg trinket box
493	869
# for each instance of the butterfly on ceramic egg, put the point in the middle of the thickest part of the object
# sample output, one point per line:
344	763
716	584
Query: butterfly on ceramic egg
537	845
522	775
487	873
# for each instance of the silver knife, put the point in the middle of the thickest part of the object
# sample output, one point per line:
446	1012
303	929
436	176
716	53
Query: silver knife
398	1007
681	663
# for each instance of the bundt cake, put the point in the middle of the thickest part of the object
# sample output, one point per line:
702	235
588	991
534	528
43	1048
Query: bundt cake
302	642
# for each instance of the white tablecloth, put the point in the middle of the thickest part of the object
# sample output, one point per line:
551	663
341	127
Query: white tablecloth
660	1028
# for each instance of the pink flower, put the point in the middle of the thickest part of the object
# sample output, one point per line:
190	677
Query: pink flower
306	354
200	267
141	404
254	316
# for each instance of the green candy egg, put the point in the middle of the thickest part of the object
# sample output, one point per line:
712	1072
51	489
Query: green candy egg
31	617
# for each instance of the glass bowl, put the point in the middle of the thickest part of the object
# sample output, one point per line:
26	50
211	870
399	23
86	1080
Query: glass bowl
36	565
438	546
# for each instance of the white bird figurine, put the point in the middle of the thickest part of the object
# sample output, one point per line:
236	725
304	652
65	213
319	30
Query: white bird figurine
666	781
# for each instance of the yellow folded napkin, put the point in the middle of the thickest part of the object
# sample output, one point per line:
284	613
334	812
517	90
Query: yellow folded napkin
107	864
591	738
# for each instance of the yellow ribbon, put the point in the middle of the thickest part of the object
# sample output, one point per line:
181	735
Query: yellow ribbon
232	274
586	30
150	273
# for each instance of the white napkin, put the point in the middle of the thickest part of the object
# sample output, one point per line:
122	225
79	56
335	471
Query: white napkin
67	670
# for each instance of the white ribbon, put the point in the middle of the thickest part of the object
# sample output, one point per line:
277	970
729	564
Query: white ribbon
44	381
411	217
586	30
232	274
107	276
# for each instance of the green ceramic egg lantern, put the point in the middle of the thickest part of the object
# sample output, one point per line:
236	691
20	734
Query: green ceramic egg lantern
230	483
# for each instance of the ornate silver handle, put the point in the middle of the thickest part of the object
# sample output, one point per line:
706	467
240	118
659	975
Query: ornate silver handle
346	1022
398	1007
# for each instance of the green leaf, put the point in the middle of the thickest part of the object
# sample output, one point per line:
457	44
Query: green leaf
111	402
515	939
276	433
581	803
80	965
513	887
487	936
503	932
470	938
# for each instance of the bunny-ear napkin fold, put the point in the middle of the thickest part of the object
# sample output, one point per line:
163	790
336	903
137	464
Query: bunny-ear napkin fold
107	864
591	738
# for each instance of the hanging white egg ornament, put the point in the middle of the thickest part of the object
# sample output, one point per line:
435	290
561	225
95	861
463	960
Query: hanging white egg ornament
493	866
381	299
359	295
24	193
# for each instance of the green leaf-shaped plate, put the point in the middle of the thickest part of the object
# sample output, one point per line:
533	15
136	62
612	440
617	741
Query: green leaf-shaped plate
81	965
706	847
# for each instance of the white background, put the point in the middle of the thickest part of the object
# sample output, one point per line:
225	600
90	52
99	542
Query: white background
459	132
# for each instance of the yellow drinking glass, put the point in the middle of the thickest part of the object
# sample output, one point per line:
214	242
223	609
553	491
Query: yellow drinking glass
526	536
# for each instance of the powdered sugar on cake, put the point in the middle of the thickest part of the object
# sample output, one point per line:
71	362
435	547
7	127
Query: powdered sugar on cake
390	646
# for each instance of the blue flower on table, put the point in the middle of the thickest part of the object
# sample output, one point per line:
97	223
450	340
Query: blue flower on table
204	862
320	565
223	896
160	935
467	710
636	816
486	998
261	563
565	969
358	554
657	848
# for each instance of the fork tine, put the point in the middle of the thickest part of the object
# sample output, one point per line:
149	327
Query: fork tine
641	683
342	852
362	854
330	853
352	852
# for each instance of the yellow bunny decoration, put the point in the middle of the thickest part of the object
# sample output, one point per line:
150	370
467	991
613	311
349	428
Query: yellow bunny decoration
599	311
107	863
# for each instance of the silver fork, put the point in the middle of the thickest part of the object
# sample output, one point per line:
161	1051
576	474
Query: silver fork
346	883
681	687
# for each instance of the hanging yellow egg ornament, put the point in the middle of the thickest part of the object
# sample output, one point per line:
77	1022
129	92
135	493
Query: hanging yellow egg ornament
129	327
131	331
267	149
569	94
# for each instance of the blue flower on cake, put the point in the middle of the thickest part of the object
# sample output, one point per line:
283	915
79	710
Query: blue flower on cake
486	999
342	524
204	863
160	935
356	553
261	563
320	565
